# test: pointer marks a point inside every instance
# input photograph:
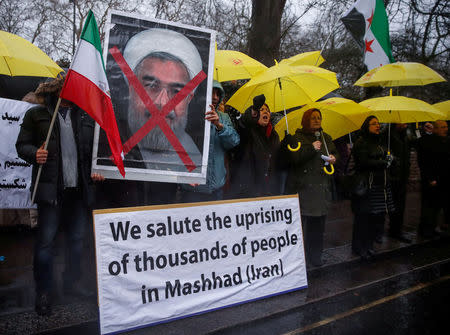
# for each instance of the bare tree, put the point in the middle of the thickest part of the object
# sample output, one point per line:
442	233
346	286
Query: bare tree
265	33
264	29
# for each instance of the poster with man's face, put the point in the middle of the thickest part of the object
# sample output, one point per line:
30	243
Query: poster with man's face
160	79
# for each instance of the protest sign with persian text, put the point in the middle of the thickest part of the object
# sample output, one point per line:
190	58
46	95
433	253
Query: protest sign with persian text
15	173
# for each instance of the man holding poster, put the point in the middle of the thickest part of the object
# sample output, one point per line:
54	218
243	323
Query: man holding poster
163	68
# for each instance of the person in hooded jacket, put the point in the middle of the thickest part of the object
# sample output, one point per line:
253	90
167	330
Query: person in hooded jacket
370	207
223	137
307	178
254	169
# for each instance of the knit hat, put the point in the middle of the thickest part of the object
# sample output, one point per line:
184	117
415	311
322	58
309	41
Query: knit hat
258	101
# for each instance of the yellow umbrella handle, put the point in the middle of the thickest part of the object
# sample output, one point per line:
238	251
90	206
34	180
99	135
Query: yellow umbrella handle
331	170
294	149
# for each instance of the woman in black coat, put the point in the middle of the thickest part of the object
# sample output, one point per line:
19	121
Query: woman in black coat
308	178
371	205
254	171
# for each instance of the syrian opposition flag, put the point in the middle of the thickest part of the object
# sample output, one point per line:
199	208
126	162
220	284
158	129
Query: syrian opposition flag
367	21
87	87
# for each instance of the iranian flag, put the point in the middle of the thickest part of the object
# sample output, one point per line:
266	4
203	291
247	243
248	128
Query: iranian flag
87	87
367	21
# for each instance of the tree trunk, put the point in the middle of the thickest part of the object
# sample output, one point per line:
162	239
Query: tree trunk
265	32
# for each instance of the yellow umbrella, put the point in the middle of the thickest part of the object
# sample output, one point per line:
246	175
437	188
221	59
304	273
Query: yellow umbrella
305	58
340	117
444	107
18	57
234	65
400	74
399	109
285	86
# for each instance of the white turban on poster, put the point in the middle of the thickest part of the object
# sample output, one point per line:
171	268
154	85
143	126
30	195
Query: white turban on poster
163	40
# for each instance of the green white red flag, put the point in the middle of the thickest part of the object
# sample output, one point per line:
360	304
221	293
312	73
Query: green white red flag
368	23
86	86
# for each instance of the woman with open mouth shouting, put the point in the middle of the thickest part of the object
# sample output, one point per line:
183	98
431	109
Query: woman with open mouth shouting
254	172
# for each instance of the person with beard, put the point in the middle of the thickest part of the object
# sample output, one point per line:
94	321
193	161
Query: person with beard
434	159
223	137
253	169
370	207
307	178
65	193
164	61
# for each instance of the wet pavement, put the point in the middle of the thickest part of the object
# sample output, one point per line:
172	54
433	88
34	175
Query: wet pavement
342	273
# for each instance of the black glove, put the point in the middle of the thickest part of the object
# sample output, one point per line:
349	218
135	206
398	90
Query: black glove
258	101
290	139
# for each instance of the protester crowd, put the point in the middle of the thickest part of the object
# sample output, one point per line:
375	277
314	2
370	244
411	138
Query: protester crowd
246	159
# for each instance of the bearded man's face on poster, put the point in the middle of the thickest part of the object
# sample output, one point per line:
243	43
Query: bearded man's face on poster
162	79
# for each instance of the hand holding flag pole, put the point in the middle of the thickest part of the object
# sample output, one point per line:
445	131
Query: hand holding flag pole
52	123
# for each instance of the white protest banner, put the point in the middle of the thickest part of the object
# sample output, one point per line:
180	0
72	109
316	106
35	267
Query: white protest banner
159	263
15	173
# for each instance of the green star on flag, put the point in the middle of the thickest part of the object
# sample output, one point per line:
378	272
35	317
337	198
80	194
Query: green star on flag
367	22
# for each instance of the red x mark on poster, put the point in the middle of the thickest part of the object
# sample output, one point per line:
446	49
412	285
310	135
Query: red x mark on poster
158	117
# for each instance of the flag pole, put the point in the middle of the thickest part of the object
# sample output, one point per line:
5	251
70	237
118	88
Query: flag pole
52	123
326	41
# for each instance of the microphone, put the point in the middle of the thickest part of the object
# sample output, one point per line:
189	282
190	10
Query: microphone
317	134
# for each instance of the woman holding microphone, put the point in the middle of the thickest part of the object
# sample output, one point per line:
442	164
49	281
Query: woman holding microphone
309	177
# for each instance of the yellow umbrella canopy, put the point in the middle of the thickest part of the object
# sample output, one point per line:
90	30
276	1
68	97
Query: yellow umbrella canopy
340	117
306	58
444	107
18	57
235	65
285	86
400	74
399	109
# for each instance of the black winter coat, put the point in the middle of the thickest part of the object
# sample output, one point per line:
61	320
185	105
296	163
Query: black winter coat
306	175
434	158
254	169
370	162
401	151
33	132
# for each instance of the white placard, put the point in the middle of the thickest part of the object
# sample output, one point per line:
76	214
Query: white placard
15	173
175	149
159	263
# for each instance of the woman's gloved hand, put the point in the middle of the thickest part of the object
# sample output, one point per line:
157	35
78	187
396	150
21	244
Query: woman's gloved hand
290	140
